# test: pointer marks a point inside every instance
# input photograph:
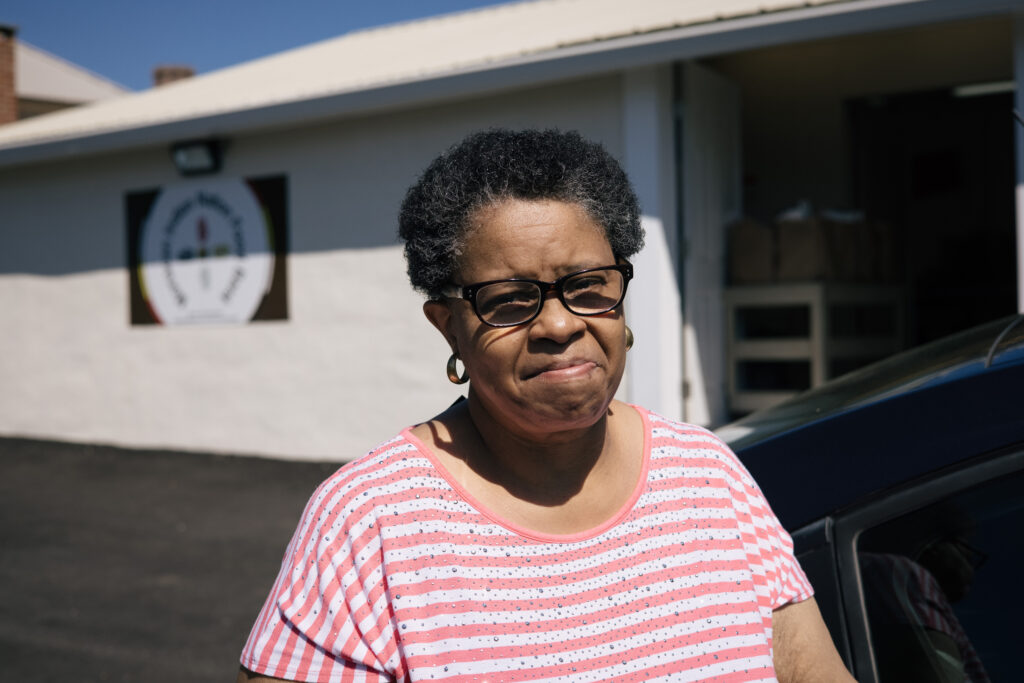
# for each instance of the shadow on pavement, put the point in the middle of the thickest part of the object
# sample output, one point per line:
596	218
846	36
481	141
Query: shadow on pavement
123	565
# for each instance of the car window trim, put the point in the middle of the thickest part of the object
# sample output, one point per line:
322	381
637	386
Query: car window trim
909	497
814	546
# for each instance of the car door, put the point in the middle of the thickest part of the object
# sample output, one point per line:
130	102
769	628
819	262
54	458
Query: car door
919	584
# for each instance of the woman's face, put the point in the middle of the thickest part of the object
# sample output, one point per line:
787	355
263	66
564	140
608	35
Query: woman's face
559	371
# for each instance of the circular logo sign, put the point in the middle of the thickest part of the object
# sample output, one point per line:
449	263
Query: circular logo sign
205	253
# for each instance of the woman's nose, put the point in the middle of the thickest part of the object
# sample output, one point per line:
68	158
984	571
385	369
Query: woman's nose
555	321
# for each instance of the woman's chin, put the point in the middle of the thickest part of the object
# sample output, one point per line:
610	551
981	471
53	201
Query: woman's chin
550	402
564	411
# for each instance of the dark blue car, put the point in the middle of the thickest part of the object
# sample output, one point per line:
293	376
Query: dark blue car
903	487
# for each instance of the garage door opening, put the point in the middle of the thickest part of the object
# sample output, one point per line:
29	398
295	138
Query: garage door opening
938	167
877	197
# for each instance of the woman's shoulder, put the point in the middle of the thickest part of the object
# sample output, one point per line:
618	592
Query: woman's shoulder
668	428
381	488
671	438
383	471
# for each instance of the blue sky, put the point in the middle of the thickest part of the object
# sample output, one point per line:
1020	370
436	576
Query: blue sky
124	39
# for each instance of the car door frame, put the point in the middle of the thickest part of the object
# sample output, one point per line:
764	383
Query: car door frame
843	531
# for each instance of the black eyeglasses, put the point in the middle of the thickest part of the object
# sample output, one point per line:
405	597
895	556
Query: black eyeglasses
515	301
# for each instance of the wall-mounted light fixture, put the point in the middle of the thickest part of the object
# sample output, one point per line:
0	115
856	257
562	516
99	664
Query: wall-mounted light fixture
197	157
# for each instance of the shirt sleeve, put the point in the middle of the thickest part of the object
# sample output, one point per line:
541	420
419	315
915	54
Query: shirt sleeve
326	617
769	547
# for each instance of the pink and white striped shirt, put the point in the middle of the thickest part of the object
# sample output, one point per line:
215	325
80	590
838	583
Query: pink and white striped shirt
396	573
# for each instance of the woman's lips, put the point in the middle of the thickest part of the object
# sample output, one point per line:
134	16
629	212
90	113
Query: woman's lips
563	370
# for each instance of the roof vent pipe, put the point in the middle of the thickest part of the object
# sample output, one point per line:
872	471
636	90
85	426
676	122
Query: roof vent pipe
168	73
8	96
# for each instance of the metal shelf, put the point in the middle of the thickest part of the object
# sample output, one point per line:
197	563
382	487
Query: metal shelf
784	335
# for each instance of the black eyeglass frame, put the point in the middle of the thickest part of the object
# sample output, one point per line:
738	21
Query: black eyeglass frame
468	292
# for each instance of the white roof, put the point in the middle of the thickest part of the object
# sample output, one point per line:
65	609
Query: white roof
39	75
326	78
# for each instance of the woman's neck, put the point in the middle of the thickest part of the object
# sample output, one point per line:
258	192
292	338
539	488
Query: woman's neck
563	485
546	470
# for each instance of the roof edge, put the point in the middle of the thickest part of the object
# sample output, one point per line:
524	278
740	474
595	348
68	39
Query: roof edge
72	67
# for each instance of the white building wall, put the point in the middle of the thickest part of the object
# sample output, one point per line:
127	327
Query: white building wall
711	191
355	362
654	309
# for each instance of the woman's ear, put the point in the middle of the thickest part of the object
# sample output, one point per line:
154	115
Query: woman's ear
440	316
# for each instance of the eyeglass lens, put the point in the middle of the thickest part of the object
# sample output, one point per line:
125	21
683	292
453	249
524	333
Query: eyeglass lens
510	303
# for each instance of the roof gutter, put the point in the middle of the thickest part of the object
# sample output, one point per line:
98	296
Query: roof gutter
588	59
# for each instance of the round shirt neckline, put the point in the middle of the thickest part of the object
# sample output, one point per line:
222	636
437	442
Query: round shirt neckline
533	534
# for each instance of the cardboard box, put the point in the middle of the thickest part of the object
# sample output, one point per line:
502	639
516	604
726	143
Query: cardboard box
804	254
822	250
814	249
751	252
849	251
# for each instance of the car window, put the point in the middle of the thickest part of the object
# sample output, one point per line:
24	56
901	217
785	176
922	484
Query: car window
940	589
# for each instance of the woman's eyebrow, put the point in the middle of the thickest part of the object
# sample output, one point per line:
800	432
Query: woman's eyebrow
576	267
560	271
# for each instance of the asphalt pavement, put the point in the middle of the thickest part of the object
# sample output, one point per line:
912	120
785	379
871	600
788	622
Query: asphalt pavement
125	565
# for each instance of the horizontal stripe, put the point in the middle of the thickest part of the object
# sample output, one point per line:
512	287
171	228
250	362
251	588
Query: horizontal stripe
394	572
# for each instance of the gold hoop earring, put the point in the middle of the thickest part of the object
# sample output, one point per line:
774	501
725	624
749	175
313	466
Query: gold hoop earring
453	371
629	338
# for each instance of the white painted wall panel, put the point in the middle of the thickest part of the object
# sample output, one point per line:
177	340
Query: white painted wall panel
711	191
654	309
335	378
355	362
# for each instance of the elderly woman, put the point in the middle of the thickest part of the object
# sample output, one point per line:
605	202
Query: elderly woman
540	529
